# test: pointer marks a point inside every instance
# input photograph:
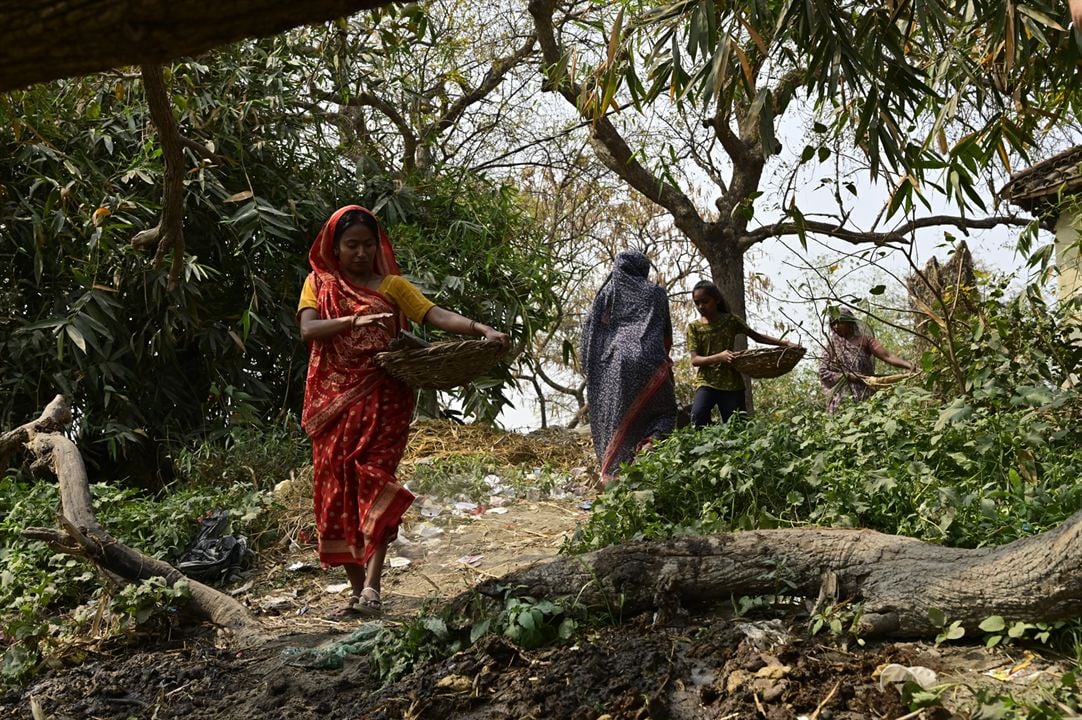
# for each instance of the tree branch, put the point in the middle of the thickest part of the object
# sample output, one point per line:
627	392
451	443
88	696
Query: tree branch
609	145
169	232
490	82
899	235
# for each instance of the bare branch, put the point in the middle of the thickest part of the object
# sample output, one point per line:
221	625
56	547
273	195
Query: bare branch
610	146
490	82
898	236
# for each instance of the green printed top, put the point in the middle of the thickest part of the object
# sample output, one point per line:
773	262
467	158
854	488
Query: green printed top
714	337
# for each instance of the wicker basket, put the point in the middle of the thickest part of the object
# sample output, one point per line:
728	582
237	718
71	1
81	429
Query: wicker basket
441	365
878	382
767	362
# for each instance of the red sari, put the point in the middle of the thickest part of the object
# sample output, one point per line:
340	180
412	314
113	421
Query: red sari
356	415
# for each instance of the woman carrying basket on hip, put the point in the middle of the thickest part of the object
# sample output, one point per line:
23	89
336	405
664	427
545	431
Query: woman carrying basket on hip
711	340
357	416
849	357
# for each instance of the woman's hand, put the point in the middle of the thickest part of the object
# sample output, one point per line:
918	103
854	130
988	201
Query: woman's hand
725	356
361	320
502	338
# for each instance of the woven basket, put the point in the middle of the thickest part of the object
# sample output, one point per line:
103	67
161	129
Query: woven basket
878	382
441	365
767	362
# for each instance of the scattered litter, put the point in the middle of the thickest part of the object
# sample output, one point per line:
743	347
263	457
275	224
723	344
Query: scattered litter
462	507
214	557
471	560
455	684
1019	672
331	655
764	634
301	566
430	510
576	471
398	562
496	511
336	588
277	602
586	505
497	501
426	531
898	675
243	588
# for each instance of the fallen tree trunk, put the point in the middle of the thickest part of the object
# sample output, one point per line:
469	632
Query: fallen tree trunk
897	579
81	534
50	39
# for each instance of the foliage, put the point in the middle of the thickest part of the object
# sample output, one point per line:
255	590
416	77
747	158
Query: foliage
150	368
983	468
526	621
1011	351
890	76
39	588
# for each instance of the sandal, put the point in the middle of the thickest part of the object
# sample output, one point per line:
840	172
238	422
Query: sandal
347	611
369	603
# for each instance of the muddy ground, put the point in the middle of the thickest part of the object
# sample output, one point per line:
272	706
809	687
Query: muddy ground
706	663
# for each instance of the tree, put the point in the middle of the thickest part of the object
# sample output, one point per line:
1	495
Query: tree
150	360
923	94
44	41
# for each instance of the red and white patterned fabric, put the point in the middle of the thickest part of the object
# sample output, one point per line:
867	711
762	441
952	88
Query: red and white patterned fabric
356	414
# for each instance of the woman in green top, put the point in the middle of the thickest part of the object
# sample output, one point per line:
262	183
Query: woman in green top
711	339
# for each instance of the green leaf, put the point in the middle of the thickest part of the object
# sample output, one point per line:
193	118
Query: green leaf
76	337
937	617
994	623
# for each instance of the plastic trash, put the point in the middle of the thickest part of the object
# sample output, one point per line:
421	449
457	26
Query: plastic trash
331	655
213	556
898	675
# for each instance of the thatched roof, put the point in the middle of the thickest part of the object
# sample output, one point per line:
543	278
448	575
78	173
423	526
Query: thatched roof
1039	188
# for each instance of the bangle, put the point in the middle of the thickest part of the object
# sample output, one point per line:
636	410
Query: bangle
473	326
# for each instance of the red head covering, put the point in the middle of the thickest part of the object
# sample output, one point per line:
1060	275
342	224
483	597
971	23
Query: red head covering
323	260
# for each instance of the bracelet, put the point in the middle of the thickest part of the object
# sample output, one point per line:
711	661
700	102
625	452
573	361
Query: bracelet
473	327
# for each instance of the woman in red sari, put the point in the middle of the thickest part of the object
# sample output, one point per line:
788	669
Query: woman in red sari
353	304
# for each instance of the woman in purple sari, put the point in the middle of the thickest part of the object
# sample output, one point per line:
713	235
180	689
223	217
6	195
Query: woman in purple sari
626	339
849	355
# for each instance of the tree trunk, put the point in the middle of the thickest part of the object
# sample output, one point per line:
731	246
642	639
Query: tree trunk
897	579
49	39
83	536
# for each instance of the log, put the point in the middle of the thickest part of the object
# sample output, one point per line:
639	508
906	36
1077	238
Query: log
82	535
897	579
43	40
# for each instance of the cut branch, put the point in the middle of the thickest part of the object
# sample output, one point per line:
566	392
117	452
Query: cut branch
81	533
897	579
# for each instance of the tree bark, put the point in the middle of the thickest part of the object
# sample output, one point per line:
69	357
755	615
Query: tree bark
897	579
83	536
44	40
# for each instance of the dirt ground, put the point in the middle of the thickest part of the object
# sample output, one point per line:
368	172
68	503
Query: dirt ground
707	663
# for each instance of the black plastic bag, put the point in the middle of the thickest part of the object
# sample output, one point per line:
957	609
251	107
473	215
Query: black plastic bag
213	556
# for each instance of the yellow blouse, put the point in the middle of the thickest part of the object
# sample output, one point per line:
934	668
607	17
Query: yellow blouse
401	291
